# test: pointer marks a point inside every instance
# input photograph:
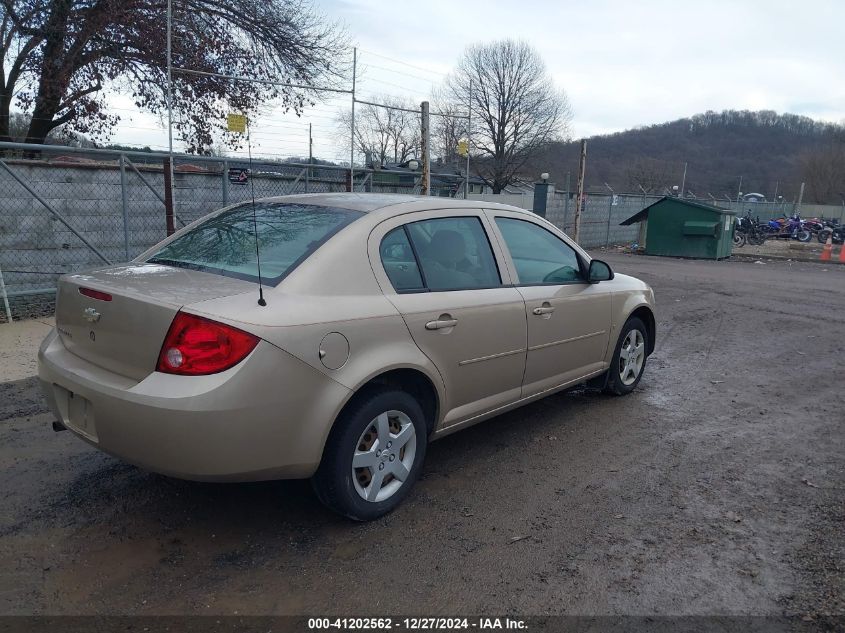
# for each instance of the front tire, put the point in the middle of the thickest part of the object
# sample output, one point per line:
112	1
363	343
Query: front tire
629	358
373	456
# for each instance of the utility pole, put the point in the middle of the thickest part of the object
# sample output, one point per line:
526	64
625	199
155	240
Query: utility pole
684	182
469	140
800	198
579	202
739	190
425	184
352	138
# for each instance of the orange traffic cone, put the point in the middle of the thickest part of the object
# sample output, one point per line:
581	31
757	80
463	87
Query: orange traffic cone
828	250
842	253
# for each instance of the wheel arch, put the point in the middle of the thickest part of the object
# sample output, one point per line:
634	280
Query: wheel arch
645	314
413	380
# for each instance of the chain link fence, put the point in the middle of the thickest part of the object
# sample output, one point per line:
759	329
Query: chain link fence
67	209
600	215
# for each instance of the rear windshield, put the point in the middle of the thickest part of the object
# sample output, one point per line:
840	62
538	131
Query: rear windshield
225	243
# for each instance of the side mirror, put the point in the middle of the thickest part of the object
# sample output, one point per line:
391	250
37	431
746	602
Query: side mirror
599	271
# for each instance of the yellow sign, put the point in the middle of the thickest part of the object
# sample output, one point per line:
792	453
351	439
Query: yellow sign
463	147
236	123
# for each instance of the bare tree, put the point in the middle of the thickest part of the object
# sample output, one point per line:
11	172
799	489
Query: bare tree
649	173
449	126
516	107
387	134
60	58
823	169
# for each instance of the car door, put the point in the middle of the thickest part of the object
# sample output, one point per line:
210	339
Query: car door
568	318
449	283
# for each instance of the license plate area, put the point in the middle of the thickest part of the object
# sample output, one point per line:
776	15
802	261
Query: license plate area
77	413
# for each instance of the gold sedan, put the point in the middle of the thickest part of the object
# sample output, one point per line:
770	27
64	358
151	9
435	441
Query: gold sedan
386	322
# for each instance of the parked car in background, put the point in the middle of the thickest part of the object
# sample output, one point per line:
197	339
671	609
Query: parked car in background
389	321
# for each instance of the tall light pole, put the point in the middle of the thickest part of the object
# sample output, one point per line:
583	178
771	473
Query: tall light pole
352	144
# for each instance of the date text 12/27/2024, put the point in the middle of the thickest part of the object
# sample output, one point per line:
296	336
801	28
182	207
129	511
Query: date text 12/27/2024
416	624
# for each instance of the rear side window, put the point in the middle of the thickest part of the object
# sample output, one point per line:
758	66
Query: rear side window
454	254
225	244
441	254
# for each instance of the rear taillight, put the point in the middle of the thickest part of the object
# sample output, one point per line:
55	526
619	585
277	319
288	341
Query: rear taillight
95	294
196	346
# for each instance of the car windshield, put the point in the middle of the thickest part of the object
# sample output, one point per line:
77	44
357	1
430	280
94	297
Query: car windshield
225	243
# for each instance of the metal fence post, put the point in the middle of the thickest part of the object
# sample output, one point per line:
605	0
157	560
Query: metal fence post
225	183
566	203
125	202
5	298
168	197
609	214
565	210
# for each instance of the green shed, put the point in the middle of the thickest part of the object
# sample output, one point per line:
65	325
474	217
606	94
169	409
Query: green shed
676	227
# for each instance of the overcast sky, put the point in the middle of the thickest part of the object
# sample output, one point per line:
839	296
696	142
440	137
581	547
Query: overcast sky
623	63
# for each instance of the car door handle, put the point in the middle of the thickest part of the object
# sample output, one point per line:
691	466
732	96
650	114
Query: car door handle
441	323
543	309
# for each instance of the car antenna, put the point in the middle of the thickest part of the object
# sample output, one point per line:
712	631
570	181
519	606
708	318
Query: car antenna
261	300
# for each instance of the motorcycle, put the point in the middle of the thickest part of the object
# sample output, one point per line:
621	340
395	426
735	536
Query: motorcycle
791	228
831	228
814	225
748	231
836	234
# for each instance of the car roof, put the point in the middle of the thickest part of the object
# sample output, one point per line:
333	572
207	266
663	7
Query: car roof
402	203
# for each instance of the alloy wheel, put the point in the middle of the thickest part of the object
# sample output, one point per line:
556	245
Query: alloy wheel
631	357
384	456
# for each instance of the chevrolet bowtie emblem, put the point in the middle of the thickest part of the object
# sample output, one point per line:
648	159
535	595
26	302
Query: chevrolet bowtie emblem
91	315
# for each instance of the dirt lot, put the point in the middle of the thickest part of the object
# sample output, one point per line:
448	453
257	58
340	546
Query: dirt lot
788	249
717	487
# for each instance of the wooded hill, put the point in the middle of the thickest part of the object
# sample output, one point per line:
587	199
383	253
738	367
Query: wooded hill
766	149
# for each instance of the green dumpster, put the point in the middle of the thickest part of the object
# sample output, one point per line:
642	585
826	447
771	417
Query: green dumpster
676	227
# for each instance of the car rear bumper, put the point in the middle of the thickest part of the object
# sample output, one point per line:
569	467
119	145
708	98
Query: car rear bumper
266	418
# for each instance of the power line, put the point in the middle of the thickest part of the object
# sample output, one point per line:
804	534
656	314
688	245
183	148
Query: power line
403	88
268	82
397	61
398	72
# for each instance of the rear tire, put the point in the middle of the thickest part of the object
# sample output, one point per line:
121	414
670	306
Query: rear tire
386	435
739	240
629	358
823	235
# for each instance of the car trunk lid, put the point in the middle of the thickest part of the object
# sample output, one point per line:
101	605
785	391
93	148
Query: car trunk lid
121	325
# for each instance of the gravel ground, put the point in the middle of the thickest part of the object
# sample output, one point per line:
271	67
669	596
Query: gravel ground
786	248
716	488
